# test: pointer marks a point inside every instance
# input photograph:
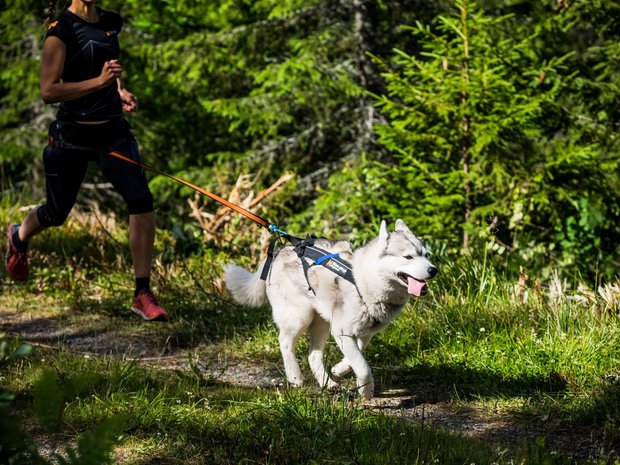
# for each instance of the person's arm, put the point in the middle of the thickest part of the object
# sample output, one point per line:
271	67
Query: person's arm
130	101
52	65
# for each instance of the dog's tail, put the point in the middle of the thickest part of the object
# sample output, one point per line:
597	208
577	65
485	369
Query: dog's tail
246	287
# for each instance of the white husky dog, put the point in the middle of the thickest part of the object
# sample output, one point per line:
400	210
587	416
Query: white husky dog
386	272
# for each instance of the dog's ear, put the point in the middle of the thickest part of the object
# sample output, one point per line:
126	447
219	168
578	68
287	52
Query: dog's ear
383	234
401	226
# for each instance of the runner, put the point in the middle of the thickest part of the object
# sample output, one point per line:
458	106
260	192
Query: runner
80	70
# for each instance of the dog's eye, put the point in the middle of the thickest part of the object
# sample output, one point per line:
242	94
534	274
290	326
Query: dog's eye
409	257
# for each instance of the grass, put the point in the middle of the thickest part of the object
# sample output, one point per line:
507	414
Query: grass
183	419
546	358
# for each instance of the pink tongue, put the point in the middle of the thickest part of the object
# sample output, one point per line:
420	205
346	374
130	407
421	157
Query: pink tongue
414	286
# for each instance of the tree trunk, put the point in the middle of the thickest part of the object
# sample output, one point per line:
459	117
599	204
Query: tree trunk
465	122
365	32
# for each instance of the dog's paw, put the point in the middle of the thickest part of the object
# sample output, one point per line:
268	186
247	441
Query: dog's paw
295	381
332	385
340	370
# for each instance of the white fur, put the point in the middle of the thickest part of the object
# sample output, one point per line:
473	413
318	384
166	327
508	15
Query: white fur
250	291
336	306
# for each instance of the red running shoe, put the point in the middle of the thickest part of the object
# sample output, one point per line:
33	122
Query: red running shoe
147	306
16	261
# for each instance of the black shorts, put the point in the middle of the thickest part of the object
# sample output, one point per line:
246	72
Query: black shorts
72	146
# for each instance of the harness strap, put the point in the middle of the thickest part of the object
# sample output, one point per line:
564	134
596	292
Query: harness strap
334	263
269	259
297	243
301	247
305	249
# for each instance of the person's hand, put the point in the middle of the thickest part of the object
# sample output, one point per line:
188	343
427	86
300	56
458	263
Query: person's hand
110	72
130	101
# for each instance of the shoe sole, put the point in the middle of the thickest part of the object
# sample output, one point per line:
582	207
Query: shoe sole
146	318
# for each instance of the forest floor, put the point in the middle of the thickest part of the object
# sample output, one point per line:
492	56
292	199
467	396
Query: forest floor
101	335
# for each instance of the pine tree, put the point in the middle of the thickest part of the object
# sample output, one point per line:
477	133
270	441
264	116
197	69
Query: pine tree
472	153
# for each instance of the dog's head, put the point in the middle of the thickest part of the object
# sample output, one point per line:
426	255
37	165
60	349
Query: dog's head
408	258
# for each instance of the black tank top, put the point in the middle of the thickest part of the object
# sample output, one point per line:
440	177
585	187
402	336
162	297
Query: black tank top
89	46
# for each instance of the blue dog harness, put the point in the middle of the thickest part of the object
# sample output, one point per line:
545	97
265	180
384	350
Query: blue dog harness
305	249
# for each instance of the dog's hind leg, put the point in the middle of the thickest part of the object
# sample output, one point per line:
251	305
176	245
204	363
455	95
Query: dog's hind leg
348	344
287	341
319	334
292	324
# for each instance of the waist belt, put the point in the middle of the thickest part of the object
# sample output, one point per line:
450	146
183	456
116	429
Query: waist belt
58	141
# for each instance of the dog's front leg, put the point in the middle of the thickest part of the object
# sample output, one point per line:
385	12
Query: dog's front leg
350	348
340	369
343	367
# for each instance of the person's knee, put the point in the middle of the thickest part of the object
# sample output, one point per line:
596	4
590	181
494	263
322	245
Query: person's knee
49	217
140	204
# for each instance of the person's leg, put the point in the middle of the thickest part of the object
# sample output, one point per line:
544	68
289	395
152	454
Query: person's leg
30	227
141	240
17	248
64	172
130	181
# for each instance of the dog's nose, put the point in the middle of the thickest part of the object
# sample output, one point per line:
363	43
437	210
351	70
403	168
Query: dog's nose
432	271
